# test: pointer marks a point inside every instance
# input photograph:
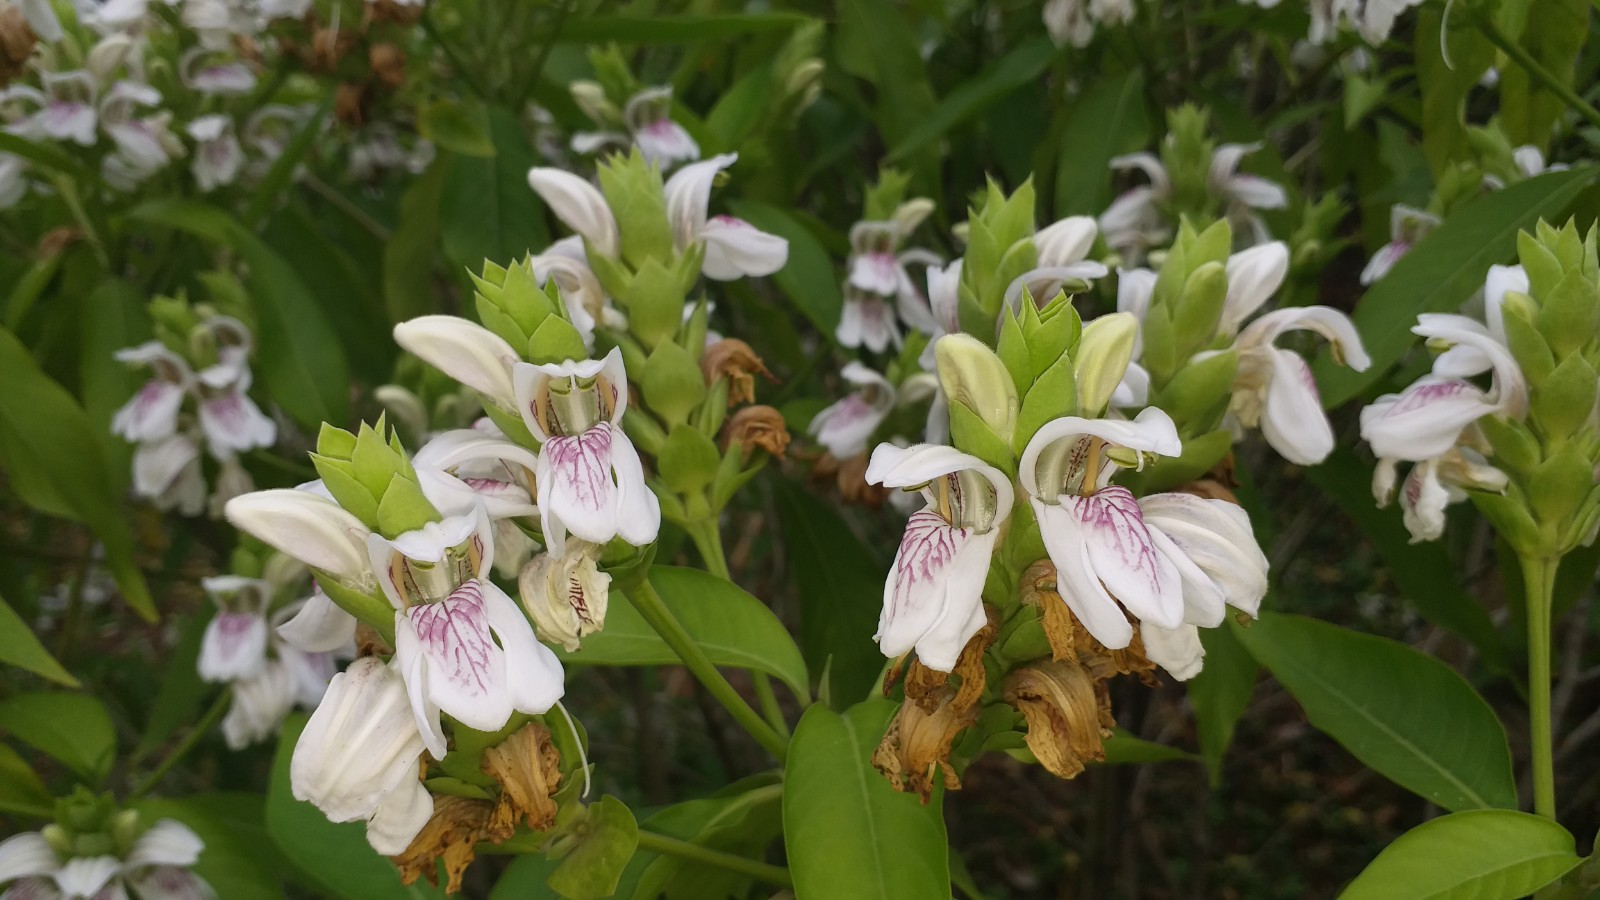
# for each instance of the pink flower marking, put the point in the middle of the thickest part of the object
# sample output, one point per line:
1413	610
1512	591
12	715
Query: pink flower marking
455	635
585	463
1422	395
927	548
1114	514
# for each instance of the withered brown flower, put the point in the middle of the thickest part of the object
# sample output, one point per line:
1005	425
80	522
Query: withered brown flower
388	63
916	749
757	426
1068	713
528	767
925	686
1069	640
734	360
452	833
850	475
17	41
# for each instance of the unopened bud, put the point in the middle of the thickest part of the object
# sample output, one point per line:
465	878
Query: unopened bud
565	597
1103	355
975	378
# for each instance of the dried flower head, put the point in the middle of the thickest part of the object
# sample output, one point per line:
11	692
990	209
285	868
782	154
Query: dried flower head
916	749
452	834
734	360
528	767
1068	713
757	427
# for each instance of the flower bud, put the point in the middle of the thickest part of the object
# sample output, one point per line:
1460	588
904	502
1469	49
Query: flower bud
467	352
566	597
373	479
591	98
976	380
1103	355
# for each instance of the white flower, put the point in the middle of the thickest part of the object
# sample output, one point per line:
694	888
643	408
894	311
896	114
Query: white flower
317	625
1068	22
933	598
218	158
201	72
167	472
152	413
1095	532
466	351
63	110
648	117
235	641
259	705
1274	388
1407	225
580	206
845	427
566	596
41	18
1240	191
585	300
734	247
463	467
156	868
307	527
1135	221
867	320
590	479
13	180
462	646
233	423
357	758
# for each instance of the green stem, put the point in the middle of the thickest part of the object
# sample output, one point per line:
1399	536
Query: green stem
1535	69
707	539
1539	581
649	604
190	740
671	846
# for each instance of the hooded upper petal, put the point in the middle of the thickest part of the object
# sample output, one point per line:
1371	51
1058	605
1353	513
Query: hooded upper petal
580	206
688	197
467	352
735	248
319	626
1425	420
309	528
1254	275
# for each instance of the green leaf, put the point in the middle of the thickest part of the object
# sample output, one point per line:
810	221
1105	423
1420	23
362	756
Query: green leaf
456	126
336	856
488	211
1402	712
408	256
1442	271
177	701
734	628
809	277
238	860
49	156
1554	35
595	865
672	29
1445	84
48	445
273	185
1107	120
840	583
20	788
116	318
742	824
1220	694
1484	854
1123	748
847	832
21	648
1016	69
300	358
72	728
1424	572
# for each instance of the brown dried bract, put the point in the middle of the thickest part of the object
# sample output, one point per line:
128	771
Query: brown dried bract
349	104
925	685
388	62
528	767
1070	641
757	427
916	749
391	11
370	643
17	41
452	833
734	360
1068	713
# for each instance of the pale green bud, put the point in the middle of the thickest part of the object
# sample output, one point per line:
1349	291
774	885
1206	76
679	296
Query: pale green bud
511	303
974	377
634	192
591	98
1103	355
372	479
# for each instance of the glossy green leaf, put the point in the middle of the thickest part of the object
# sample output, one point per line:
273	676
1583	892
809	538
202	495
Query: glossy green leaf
54	458
349	291
847	832
49	156
238	860
809	277
336	856
1401	712
841	590
408	256
1424	572
1485	854
875	41
1107	120
1442	271
1123	748
72	728
1020	67
299	356
116	318
1446	82
742	824
734	628
177	702
1220	694
456	126
20	647
488	211
1554	33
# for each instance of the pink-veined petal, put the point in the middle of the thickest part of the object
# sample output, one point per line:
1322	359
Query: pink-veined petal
1292	419
152	413
1076	580
638	511
534	677
935	582
320	626
466	669
1423	421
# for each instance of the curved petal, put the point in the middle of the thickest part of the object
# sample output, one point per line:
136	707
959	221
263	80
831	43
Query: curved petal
1134	389
1423	421
1148	163
1423	499
1152	431
534	676
234	424
937	577
151	414
638	509
576	490
735	248
1109	526
902	467
1075	579
1065	242
579	205
1203	603
1217	537
399	818
169	883
1501	281
307	527
86	876
1254	275
1510	388
467	352
688	195
466	670
24	855
320	626
234	646
360	743
1292	419
1330	323
159	465
1178	650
